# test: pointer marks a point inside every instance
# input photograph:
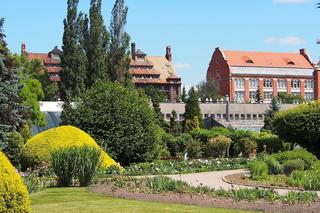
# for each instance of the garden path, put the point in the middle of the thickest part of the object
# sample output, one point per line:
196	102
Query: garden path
214	180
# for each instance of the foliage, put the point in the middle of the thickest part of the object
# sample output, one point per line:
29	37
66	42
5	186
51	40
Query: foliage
96	38
13	150
208	90
205	135
258	96
285	98
73	60
194	149
171	144
165	184
36	182
36	151
270	113
244	146
292	165
309	180
192	124
272	142
75	162
259	170
161	167
300	125
192	108
11	109
274	167
118	51
218	146
13	194
119	119
175	128
184	95
304	155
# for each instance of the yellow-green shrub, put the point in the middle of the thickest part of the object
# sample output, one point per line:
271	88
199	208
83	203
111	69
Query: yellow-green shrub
13	193
37	150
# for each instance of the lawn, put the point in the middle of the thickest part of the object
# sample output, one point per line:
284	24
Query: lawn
81	200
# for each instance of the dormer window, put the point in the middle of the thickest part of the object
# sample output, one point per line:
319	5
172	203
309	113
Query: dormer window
249	61
291	63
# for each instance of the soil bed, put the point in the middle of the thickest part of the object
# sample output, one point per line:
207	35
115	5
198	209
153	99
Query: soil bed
203	200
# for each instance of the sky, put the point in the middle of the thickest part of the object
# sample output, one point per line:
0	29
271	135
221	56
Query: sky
193	28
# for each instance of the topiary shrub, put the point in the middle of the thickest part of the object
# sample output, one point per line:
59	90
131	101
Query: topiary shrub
274	167
293	165
302	154
259	170
244	146
37	150
13	193
218	146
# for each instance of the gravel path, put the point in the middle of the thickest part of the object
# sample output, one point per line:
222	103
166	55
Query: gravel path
215	180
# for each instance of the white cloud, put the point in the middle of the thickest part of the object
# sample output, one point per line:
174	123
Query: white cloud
290	1
180	65
289	40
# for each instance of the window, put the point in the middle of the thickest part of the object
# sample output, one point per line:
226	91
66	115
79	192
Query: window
267	96
239	83
253	83
309	84
239	96
248	116
267	83
231	116
236	117
254	117
218	75
252	96
309	96
249	61
282	84
243	117
291	63
295	84
260	117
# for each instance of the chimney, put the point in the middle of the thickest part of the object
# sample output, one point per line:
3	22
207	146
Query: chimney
23	48
133	51
306	55
168	53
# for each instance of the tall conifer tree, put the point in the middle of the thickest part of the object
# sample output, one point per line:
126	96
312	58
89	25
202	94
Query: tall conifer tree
96	39
118	56
73	61
192	108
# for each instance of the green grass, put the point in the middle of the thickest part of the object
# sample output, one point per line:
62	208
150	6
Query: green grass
65	200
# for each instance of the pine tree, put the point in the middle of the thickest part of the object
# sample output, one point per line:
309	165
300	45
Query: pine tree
174	124
11	109
118	53
184	95
192	108
269	115
96	41
73	61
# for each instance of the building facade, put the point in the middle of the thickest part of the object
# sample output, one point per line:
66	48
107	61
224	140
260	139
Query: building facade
51	61
241	74
157	71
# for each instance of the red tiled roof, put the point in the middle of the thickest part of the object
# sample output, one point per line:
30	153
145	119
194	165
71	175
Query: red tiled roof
40	56
53	69
267	59
144	72
148	81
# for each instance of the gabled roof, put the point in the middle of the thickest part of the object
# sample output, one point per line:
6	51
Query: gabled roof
267	59
162	65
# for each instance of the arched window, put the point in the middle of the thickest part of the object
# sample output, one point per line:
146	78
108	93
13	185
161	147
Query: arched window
291	63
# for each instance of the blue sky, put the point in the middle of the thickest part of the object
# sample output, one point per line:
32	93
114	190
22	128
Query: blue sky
194	28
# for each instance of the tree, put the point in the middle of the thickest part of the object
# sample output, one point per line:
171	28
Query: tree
118	53
4	51
258	97
300	125
286	98
11	109
119	119
73	60
208	90
174	124
184	95
95	43
192	108
270	113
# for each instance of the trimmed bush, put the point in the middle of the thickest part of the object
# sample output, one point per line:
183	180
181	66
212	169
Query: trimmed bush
80	162
194	149
13	193
273	143
293	165
244	146
218	146
259	170
274	167
36	151
302	154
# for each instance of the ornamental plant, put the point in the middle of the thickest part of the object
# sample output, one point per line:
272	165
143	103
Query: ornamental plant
37	150
218	146
13	193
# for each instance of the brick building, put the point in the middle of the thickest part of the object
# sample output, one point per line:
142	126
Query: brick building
50	61
157	71
241	73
